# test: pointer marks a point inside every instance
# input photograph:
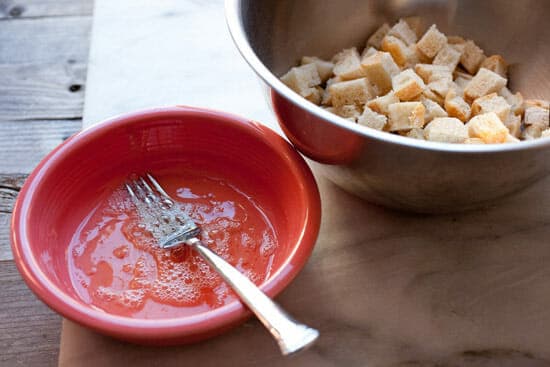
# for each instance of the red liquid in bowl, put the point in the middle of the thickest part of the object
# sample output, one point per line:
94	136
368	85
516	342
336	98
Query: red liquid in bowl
116	266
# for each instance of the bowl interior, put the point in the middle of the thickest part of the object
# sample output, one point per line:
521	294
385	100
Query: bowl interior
79	174
280	32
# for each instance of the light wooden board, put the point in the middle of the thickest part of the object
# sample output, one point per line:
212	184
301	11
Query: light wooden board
17	9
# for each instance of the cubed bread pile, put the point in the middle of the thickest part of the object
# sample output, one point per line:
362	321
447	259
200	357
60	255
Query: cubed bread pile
422	85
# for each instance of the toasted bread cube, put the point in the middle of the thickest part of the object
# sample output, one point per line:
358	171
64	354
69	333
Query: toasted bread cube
405	116
326	98
474	141
416	24
491	103
485	82
379	69
545	134
397	48
324	68
446	130
537	116
357	92
433	109
461	73
448	56
407	85
514	100
347	64
537	103
329	109
350	112
427	70
497	64
429	94
513	123
511	139
472	57
416	133
442	86
302	79
375	40
531	132
432	41
455	40
380	104
372	119
315	95
461	84
488	128
402	31
456	106
368	52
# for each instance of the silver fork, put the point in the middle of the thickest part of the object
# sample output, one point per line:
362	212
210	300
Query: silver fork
176	228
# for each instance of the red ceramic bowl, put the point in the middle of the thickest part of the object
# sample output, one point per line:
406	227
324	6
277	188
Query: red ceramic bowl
67	183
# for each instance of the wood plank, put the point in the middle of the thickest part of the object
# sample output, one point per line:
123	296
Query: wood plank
9	188
20	9
29	330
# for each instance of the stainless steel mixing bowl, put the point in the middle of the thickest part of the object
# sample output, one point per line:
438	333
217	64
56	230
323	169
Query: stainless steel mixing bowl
391	170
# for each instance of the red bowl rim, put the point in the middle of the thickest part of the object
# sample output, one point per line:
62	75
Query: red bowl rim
203	323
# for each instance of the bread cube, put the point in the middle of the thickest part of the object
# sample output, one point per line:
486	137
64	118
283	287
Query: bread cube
416	24
379	69
429	94
416	133
324	68
375	40
315	95
545	134
432	41
461	73
302	79
537	116
368	52
347	64
461	84
531	132
473	141
514	100
497	64
472	57
488	128
513	123
407	85
455	40
397	48
442	86
433	110
537	103
448	56
350	112
372	119
402	31
405	116
427	70
491	103
357	92
485	82
456	106
446	130
511	139
380	104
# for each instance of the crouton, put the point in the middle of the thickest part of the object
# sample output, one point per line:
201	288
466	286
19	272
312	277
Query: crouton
473	141
315	95
513	124
488	128
514	100
324	68
511	139
429	94
431	42
497	64
461	84
537	116
379	69
347	64
531	132
537	103
380	104
372	119
405	116
407	85
446	130
416	24
455	40
397	48
416	133
349	111
456	106
302	79
545	134
375	40
442	86
402	31
448	56
357	92
485	82
472	57
491	103
461	73
433	110
426	70
368	52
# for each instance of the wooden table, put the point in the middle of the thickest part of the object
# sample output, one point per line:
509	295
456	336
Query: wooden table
43	60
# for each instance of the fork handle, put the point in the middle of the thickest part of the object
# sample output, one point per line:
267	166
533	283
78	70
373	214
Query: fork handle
289	334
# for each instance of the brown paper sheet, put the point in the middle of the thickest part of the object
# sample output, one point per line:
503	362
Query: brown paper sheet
385	288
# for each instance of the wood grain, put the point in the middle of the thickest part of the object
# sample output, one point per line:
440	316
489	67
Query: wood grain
29	331
9	188
18	9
